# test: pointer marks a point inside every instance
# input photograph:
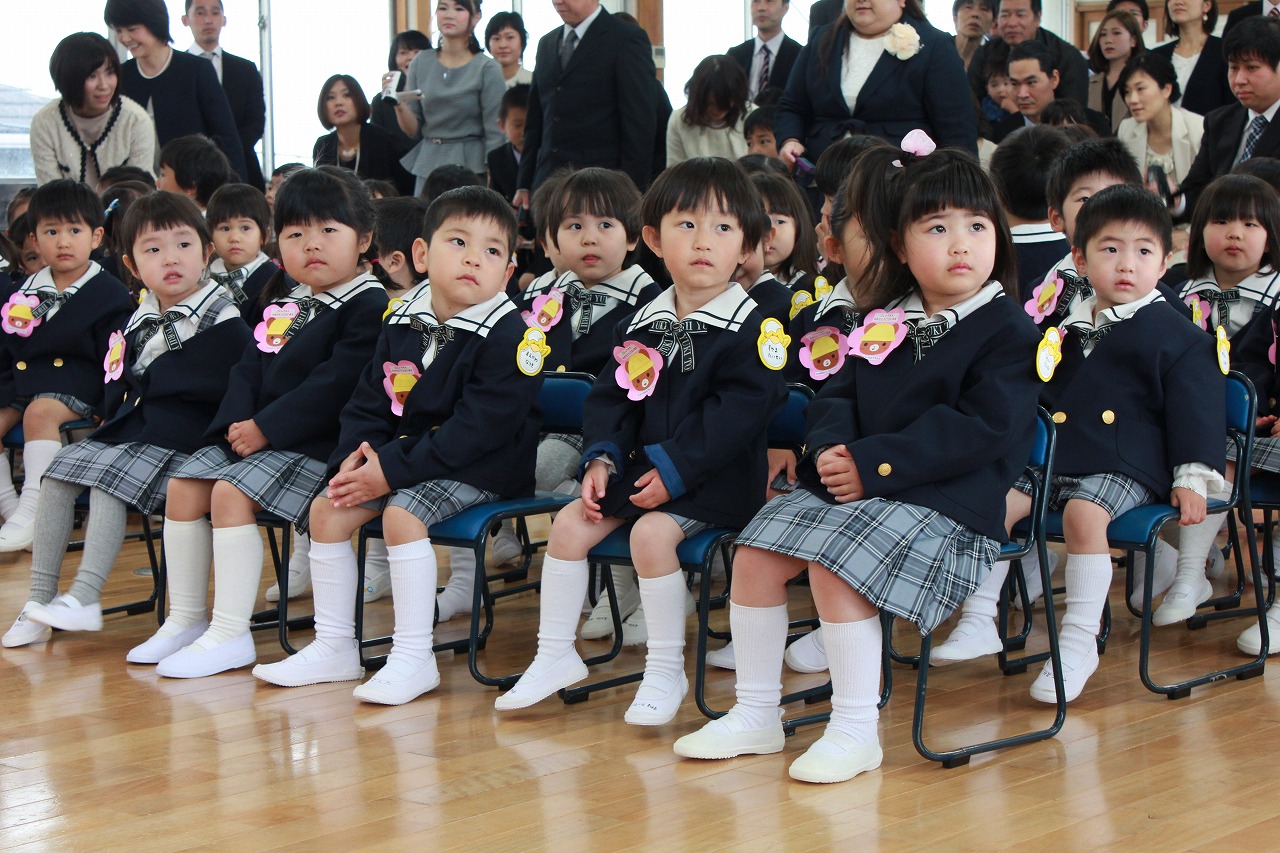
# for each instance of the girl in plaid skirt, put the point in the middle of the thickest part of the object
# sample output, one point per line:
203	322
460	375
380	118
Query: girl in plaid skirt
275	428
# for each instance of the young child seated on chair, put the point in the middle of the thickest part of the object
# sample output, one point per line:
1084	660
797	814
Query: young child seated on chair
445	417
240	220
1138	395
176	352
675	432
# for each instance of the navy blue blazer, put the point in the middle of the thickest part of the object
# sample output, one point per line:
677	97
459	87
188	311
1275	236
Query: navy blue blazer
251	307
64	355
773	299
171	403
898	97
296	395
1223	132
1157	377
1252	355
808	319
243	86
1208	87
951	432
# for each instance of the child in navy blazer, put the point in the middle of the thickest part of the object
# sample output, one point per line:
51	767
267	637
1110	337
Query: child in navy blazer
56	328
445	416
1139	399
911	449
240	220
174	353
675	431
267	446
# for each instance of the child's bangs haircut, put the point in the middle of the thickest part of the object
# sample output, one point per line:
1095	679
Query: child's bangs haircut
1092	156
1128	204
399	222
838	161
542	202
603	193
471	203
1233	197
707	183
160	211
781	195
324	194
65	200
239	201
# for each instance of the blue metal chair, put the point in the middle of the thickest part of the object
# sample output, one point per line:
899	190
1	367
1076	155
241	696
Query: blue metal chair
562	401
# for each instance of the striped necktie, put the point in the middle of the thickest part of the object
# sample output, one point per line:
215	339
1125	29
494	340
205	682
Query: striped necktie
762	82
1257	127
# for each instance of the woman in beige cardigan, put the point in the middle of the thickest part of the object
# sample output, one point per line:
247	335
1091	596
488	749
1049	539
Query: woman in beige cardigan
710	124
1117	40
1158	133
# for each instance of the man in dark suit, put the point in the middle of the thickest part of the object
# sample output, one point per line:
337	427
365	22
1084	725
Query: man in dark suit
1247	128
239	77
592	99
1018	21
1036	82
768	57
1250	10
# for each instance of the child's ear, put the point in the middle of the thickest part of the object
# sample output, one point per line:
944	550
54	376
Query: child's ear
366	240
97	236
208	254
653	240
832	249
1164	265
1056	222
394	262
895	240
420	256
511	268
1077	255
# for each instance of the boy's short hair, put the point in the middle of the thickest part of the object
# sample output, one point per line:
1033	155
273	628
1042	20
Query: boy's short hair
517	97
381	189
1020	168
762	164
1101	156
1229	197
707	182
541	203
1266	168
65	200
1124	203
471	202
445	178
119	174
1061	112
838	160
161	210
151	14
399	222
233	201
74	61
284	170
598	192
1032	50
1257	38
761	118
197	164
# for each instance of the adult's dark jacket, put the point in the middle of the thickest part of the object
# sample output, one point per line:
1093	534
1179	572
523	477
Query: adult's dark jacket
1223	132
378	156
1207	88
1100	123
243	86
1238	14
1072	68
780	65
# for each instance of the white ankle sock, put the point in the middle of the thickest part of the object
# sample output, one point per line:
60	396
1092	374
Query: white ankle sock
8	494
564	583
237	571
1194	543
1088	582
413	587
663	602
334	587
854	652
985	601
188	549
759	641
36	456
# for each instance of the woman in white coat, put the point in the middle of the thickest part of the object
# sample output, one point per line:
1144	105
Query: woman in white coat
1156	132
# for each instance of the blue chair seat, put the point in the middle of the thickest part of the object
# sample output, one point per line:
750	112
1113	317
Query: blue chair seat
616	547
1136	525
473	522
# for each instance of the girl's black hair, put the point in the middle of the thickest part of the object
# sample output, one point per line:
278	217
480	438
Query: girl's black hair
117	198
158	211
781	195
74	61
507	20
707	183
407	40
605	193
718	83
233	201
947	178
473	7
1234	197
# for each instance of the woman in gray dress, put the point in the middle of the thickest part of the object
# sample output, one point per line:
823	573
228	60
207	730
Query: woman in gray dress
456	119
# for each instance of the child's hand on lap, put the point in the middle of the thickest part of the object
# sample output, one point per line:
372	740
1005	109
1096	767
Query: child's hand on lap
362	483
1194	507
839	474
245	438
594	482
780	460
653	492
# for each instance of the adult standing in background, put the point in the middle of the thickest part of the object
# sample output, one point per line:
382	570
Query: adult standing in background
710	124
592	102
1250	10
92	127
1018	21
506	38
382	110
1118	38
240	81
881	70
180	91
767	59
456	119
973	20
1196	55
662	113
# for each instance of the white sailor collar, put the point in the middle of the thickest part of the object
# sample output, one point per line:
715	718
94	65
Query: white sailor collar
837	297
192	307
1262	286
626	286
42	282
220	267
726	311
914	306
336	296
478	319
1083	312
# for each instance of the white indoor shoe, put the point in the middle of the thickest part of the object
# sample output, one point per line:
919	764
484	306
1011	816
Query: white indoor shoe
657	701
731	736
318	663
835	757
67	614
198	660
25	632
401	680
543	679
160	646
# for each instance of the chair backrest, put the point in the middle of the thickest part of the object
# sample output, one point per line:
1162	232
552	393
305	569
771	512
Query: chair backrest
787	427
1041	448
562	399
1241	403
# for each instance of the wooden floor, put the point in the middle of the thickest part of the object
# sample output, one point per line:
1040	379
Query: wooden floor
98	754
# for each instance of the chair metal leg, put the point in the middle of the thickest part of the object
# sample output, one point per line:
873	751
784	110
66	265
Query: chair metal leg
155	600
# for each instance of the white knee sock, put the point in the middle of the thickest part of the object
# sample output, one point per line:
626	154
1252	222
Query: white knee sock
237	571
663	601
564	583
457	595
36	456
334	589
984	603
413	587
188	550
759	641
854	651
8	494
1194	543
1088	582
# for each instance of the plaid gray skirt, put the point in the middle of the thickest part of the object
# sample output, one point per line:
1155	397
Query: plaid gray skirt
574	441
914	562
1266	452
136	473
281	482
1115	493
434	500
75	404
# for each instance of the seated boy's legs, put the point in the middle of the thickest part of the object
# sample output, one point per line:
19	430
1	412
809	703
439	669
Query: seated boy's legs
334	654
57	516
41	424
1191	586
564	585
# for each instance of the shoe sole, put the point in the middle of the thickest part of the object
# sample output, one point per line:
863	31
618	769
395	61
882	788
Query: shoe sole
280	682
563	684
238	663
769	747
375	698
830	779
52	623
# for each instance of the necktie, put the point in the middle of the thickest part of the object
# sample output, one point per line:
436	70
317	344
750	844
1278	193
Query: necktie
148	328
582	299
677	335
925	335
307	306
47	302
848	318
229	280
1072	286
1275	13
439	334
1090	336
567	44
762	82
1256	128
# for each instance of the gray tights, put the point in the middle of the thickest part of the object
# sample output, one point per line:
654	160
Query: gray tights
103	535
